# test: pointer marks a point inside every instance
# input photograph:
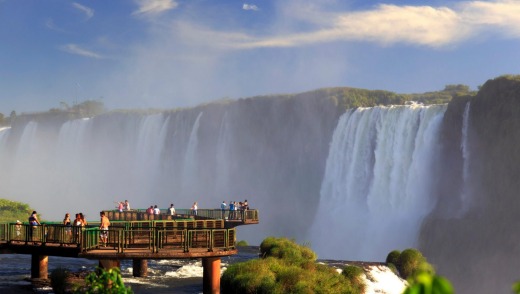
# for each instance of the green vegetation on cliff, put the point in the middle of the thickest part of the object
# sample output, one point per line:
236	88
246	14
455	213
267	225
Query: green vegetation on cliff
286	267
10	211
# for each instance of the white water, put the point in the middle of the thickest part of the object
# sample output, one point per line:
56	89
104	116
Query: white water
86	165
464	146
377	183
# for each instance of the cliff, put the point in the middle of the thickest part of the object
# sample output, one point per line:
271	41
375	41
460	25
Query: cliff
473	234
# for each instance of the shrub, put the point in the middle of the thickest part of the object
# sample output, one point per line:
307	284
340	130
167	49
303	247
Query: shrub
59	282
286	249
285	267
393	257
425	282
410	260
242	243
104	282
355	275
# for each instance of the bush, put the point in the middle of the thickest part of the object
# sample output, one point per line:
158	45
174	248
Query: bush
286	249
410	260
59	282
285	267
393	257
355	275
242	243
425	282
104	282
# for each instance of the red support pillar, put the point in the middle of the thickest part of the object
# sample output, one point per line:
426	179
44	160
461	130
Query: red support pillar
39	266
211	275
140	267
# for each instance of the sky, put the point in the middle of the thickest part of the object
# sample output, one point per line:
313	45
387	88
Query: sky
181	53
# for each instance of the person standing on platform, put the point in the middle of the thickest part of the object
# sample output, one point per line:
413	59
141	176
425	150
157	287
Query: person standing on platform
34	223
223	206
231	210
103	227
171	209
156	210
194	208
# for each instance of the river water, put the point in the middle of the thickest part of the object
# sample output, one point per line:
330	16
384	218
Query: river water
171	276
164	276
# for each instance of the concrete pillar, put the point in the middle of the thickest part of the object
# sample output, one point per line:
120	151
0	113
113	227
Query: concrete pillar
39	266
109	263
140	267
211	275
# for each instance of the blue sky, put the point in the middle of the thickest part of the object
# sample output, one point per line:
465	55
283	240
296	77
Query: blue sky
181	53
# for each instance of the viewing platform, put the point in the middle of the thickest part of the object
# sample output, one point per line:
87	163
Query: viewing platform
134	235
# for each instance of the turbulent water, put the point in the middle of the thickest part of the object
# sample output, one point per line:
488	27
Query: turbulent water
378	181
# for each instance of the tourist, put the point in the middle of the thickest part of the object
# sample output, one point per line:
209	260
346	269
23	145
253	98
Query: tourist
156	210
120	206
231	210
171	210
126	206
77	228
68	231
83	220
194	208
103	227
18	229
34	223
223	206
149	211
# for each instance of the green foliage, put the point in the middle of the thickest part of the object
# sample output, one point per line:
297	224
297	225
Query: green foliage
516	288
104	282
59	280
286	267
393	257
242	243
10	211
285	249
425	282
355	275
410	260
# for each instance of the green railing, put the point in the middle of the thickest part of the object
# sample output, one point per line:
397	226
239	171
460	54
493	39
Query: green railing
250	215
154	236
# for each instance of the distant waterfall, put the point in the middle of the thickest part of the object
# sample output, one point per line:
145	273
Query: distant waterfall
377	183
191	161
464	146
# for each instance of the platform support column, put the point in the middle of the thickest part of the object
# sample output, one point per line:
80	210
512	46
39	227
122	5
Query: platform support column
140	267
211	275
39	266
107	264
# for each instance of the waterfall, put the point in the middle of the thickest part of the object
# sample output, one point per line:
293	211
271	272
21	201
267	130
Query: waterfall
223	156
189	179
464	146
377	183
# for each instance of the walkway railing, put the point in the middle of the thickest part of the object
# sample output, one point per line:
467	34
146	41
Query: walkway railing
152	236
244	216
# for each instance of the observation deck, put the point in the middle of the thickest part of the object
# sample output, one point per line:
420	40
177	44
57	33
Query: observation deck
136	235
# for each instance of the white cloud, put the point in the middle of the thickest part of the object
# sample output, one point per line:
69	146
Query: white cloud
384	24
147	7
49	23
89	12
75	49
250	7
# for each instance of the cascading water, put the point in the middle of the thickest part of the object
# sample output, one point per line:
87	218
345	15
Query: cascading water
464	146
88	164
377	183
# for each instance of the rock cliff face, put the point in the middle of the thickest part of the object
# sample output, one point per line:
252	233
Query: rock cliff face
472	236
